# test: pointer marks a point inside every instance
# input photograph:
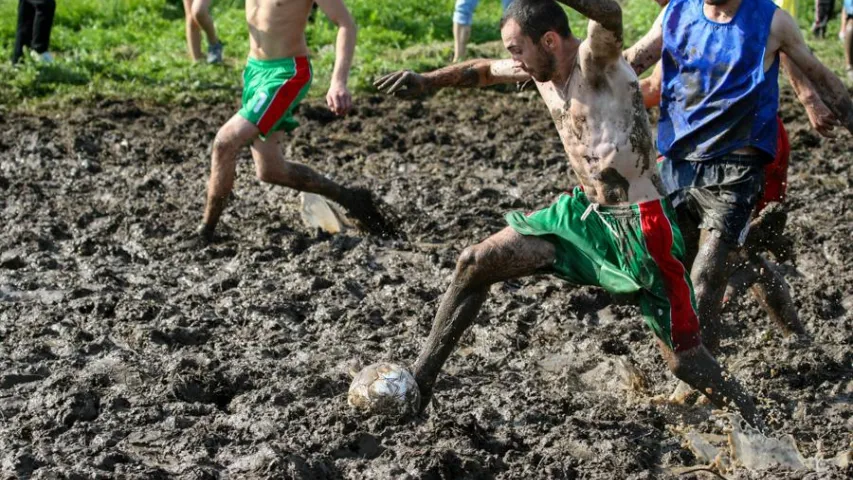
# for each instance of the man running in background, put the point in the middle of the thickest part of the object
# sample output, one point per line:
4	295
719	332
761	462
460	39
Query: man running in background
277	77
615	230
718	125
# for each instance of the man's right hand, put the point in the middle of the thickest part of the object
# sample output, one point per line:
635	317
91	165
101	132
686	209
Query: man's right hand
404	83
821	117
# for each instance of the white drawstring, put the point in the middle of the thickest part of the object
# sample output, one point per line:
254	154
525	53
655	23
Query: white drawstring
593	207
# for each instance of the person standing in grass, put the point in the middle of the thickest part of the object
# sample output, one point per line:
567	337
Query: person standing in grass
35	21
463	16
823	11
277	77
197	15
847	32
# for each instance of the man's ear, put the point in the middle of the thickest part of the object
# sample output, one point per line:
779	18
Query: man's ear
549	40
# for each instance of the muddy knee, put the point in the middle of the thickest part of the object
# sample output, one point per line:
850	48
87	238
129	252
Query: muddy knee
470	267
224	145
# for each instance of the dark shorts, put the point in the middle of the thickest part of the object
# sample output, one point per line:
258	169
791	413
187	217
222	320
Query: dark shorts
719	194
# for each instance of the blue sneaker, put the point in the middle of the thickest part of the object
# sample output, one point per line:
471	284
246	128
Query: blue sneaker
214	53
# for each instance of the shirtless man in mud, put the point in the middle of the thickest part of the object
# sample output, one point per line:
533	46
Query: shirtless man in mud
615	230
718	123
277	77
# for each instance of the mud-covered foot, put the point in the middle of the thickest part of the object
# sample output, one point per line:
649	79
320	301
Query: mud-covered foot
199	238
683	394
361	207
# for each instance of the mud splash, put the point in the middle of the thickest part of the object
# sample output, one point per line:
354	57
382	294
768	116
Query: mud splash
123	356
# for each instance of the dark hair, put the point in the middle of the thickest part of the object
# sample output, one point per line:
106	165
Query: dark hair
537	17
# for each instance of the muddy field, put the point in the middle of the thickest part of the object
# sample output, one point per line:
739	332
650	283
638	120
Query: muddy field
123	356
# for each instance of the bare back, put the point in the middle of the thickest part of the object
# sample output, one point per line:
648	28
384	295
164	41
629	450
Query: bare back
606	133
277	28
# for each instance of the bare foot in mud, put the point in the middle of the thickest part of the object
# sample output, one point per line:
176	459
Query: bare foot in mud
361	207
198	239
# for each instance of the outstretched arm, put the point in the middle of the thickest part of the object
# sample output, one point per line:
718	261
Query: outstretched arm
790	41
819	114
604	34
646	52
338	98
473	73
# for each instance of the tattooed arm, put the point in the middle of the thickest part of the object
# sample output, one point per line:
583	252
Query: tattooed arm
473	73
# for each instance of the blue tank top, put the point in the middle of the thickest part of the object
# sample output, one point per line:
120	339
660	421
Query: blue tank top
716	96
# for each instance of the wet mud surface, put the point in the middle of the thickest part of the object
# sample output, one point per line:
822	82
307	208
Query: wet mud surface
124	356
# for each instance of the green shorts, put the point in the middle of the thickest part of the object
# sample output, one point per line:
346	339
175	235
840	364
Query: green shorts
633	249
272	89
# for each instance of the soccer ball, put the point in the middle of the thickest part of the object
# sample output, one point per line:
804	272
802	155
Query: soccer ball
386	388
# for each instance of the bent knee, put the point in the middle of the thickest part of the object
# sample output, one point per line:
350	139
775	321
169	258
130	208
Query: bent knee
469	266
224	143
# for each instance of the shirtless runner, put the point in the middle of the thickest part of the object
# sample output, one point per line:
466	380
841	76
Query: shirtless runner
615	230
277	77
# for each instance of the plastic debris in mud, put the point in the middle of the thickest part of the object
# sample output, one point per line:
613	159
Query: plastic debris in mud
744	447
385	388
318	212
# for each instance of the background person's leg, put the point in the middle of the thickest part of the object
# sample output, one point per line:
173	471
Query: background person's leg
463	16
24	33
193	32
201	14
271	167
500	257
234	135
42	24
848	44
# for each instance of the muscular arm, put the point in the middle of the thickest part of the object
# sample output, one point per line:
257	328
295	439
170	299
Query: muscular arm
646	52
345	41
819	115
829	87
604	33
475	73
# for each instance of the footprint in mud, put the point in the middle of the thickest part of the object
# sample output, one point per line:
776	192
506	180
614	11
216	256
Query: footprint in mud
193	382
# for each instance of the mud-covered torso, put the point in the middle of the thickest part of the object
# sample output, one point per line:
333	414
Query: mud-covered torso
606	133
277	27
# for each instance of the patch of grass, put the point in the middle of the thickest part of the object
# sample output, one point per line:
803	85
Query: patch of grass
136	48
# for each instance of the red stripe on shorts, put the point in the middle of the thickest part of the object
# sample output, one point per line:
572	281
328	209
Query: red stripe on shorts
776	173
657	230
285	95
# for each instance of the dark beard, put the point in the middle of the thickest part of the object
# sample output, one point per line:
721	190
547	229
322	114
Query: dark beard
546	72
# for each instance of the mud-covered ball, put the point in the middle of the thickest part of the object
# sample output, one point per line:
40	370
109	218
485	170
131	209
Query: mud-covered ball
386	388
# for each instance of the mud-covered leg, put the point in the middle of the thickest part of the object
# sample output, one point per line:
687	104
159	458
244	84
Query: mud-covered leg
771	291
358	202
699	369
502	256
234	135
710	275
